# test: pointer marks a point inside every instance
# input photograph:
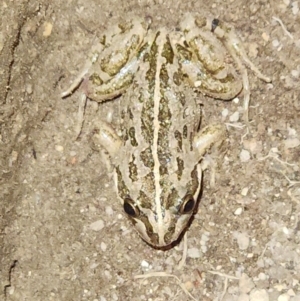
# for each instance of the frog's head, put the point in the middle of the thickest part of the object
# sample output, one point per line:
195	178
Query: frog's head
161	210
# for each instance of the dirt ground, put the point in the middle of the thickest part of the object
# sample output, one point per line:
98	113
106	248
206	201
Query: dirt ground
63	232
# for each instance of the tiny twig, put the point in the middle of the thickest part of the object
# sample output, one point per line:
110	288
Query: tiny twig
273	155
283	27
164	274
223	275
225	281
292	183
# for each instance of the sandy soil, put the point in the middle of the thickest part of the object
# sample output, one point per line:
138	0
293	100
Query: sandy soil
63	234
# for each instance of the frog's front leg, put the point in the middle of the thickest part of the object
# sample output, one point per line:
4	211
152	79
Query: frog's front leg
211	143
210	70
107	139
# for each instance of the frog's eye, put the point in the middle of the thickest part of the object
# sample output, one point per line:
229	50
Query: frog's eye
187	205
130	208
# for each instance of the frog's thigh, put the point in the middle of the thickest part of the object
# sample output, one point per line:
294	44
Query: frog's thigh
208	69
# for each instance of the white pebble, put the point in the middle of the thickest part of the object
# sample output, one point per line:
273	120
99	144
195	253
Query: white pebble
291	143
259	295
144	264
194	253
295	8
29	89
97	226
234	117
204	249
284	297
262	276
59	148
244	155
245	191
242	240
238	211
285	230
265	36
225	113
275	43
295	73
109	211
246	284
291	293
204	238
103	246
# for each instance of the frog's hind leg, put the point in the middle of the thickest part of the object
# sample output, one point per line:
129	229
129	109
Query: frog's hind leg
217	59
237	51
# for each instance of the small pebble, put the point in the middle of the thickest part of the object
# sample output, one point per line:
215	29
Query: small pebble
259	295
253	50
243	240
284	297
225	113
145	264
244	155
238	211
234	117
262	276
291	132
295	73
291	143
109	211
285	230
275	43
266	37
295	8
29	89
103	246
194	253
189	285
244	191
59	148
291	292
97	226
246	284
47	29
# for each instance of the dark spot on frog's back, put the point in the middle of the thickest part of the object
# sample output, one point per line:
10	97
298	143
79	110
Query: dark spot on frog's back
168	52
163	170
133	140
180	168
133	173
147	158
